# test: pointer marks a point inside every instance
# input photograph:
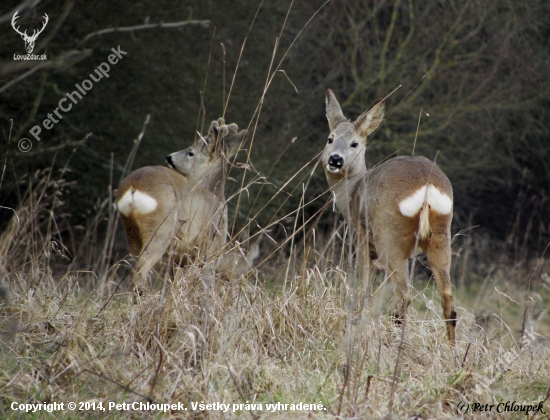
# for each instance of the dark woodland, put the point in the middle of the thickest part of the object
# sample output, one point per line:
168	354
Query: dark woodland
478	69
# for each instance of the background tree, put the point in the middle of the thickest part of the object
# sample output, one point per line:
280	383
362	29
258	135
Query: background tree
477	68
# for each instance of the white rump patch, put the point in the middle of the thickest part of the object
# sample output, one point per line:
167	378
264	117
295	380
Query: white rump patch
136	201
437	200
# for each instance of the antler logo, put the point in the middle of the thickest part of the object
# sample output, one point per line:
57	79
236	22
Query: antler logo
29	40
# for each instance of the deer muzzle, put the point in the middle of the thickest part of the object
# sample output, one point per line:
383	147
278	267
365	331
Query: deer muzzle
170	162
335	162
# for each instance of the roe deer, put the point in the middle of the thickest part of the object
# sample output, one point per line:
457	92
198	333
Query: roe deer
402	205
182	206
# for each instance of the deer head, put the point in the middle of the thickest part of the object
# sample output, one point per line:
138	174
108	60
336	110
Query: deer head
204	163
29	40
344	154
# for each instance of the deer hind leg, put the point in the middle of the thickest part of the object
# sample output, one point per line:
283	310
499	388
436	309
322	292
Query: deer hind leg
439	257
392	254
144	263
400	278
396	269
153	249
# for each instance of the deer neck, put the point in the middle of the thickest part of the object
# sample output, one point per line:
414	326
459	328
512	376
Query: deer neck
343	191
214	182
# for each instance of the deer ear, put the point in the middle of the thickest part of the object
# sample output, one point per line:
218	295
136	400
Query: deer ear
233	142
334	112
369	120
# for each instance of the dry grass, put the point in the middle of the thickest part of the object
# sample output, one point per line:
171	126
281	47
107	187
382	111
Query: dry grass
71	332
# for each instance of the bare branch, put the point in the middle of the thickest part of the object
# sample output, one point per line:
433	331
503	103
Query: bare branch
203	23
25	5
53	148
60	61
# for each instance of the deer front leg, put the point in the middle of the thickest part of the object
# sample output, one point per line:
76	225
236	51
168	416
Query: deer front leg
364	263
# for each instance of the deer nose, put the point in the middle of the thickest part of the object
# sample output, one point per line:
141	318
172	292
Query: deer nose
336	160
169	160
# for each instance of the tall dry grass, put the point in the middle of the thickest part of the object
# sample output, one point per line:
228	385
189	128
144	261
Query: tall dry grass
299	329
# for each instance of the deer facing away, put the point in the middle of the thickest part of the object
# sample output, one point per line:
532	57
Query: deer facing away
401	205
182	207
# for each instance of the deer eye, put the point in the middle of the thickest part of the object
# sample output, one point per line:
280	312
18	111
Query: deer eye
190	154
330	140
354	144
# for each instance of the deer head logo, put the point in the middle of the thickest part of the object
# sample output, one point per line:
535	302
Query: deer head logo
29	40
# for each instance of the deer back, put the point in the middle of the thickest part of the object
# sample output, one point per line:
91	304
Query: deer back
154	196
391	198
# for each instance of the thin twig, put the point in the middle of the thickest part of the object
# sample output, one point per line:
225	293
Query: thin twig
157	371
148	398
133	152
416	134
288	78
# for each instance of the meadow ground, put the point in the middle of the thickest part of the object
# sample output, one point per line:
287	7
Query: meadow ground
298	331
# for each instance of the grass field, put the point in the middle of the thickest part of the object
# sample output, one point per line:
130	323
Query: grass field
71	331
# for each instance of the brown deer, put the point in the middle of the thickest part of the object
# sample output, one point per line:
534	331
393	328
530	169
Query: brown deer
182	207
402	205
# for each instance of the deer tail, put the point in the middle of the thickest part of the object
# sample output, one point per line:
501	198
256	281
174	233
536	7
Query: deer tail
424	222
